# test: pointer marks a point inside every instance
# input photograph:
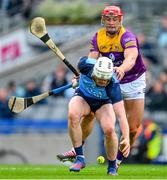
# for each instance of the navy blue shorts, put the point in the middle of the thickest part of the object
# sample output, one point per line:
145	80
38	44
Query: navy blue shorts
94	104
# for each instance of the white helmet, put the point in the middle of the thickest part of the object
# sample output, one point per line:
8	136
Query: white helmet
103	69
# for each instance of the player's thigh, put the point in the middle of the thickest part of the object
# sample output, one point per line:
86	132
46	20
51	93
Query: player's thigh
89	118
88	121
106	116
134	111
79	106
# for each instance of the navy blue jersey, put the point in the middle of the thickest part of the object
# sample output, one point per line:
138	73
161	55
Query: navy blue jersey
89	88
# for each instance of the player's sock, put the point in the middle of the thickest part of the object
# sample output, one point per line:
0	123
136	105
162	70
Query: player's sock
112	168
112	163
79	161
79	150
120	158
70	155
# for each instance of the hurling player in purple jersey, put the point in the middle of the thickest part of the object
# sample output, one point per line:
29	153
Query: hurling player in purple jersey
121	46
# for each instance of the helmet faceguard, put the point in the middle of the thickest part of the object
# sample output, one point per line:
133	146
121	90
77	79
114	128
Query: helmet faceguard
112	19
102	71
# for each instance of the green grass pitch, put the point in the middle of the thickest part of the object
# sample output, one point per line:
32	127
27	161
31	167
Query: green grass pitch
90	172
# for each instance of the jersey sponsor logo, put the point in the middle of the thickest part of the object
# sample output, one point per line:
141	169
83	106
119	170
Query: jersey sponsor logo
115	61
91	88
95	92
112	57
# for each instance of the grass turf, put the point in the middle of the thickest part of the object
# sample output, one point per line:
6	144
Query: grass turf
90	172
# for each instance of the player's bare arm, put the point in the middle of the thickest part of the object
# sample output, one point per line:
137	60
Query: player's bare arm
94	55
130	55
120	113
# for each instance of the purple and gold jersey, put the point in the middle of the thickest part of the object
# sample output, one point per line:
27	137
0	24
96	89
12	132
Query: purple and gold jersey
114	48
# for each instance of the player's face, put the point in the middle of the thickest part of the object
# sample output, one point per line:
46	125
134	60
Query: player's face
112	24
101	82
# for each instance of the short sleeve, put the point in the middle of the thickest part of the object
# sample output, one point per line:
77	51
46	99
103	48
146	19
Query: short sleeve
86	64
93	44
114	92
114	78
128	40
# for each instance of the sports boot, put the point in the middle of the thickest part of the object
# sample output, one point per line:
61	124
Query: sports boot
67	156
78	164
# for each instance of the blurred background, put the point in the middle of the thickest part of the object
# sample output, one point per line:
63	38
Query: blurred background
28	68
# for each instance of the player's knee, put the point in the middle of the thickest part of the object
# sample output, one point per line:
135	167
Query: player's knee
73	119
109	131
134	132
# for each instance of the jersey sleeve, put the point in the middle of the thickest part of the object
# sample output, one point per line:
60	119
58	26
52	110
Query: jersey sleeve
114	78
93	44
128	40
114	92
86	64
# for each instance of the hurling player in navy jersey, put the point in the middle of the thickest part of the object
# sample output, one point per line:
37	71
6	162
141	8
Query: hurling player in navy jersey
98	90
